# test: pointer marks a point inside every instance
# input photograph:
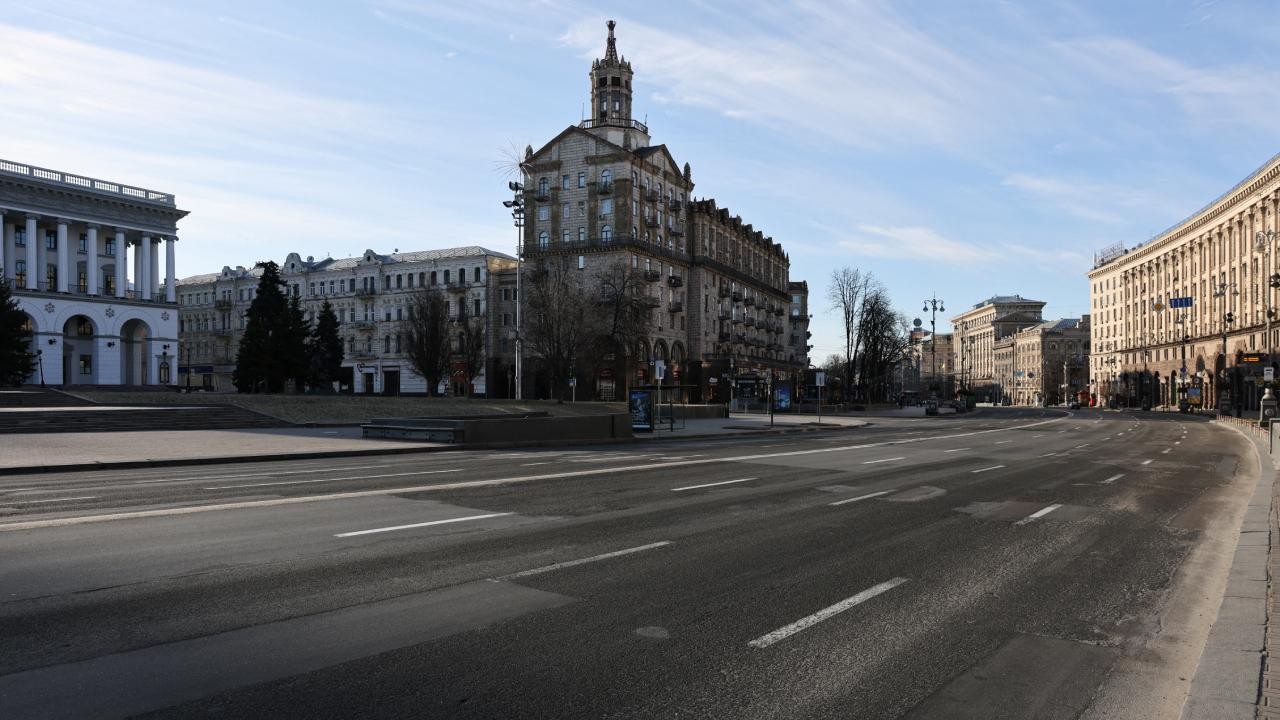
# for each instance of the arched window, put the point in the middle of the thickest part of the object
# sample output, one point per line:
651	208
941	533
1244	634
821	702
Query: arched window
634	232
606	178
606	233
543	240
542	186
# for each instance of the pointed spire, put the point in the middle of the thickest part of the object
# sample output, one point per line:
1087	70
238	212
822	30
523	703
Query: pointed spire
611	50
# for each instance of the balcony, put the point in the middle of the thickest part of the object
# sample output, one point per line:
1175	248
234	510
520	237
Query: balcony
650	301
725	316
675	306
749	301
740	338
737	296
737	321
674	204
651	195
221	332
613	122
724	337
605	188
366	292
541	195
650	221
676	230
652	275
675	281
724	292
224	303
363	326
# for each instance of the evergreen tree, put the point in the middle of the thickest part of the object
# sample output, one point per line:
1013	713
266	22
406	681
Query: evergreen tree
17	362
291	351
260	364
324	349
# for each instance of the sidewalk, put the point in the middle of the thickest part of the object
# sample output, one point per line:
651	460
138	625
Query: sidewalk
60	452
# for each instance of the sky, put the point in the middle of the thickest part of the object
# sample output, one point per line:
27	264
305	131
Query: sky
953	149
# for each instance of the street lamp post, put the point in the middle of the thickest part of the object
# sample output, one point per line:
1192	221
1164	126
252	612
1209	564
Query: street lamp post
932	306
516	206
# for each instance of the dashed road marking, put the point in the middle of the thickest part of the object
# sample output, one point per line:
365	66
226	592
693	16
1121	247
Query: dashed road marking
1038	514
422	524
804	623
982	470
873	462
583	561
707	485
33	502
1146	462
956	450
861	497
1112	479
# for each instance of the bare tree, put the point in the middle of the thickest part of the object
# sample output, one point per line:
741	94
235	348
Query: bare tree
884	337
845	294
469	348
560	319
626	314
428	335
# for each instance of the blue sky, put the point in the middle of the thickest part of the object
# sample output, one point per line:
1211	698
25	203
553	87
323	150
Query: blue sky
968	148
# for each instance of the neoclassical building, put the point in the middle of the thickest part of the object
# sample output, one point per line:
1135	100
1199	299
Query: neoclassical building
99	316
975	334
1198	297
371	295
601	193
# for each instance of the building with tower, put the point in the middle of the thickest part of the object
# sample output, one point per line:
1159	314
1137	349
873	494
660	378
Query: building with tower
602	194
98	316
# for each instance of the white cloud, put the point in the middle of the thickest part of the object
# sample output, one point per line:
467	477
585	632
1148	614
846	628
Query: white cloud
1110	203
912	243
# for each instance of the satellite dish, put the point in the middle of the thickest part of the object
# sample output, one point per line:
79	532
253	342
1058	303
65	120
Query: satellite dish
917	322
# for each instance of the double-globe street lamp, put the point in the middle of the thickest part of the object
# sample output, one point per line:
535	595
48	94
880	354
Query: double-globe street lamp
933	306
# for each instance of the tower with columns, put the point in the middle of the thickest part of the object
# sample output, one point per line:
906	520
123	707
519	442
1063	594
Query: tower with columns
66	249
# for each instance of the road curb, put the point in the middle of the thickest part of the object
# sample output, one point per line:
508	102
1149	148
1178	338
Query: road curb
1231	679
773	431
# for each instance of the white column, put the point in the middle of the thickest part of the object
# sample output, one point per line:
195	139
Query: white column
122	263
64	257
136	271
155	267
91	262
143	281
170	291
33	256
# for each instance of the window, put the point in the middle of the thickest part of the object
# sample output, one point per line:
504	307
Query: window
397	343
506	319
606	206
564	210
606	178
387	315
582	234
475	306
51	276
399	313
582	262
433	277
543	241
84	243
582	179
86	364
564	237
564	182
544	212
606	233
542	186
386	282
82	280
475	275
446	277
399	281
50	240
386	344
111	246
20	237
311	290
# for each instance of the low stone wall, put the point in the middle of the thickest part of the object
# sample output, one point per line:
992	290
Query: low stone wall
499	431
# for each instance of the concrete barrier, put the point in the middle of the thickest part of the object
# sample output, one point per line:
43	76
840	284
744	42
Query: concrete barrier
504	430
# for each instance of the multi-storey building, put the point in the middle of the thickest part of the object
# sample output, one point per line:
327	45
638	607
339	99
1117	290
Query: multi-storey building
936	367
975	334
95	319
1050	361
798	318
371	295
1194	308
601	192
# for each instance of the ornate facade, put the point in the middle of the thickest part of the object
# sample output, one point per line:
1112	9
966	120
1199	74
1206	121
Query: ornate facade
975	334
721	288
1220	262
97	319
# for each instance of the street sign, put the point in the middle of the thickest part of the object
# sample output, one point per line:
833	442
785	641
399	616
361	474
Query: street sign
820	379
573	382
1269	374
1181	302
659	369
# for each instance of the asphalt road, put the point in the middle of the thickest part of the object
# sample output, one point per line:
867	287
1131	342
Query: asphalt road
1003	564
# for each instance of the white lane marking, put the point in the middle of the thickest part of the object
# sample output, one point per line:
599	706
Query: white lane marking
1002	442
873	462
787	631
1037	514
32	502
320	480
1112	479
422	524
957	450
471	484
1165	451
1033	437
548	462
1084	445
707	485
583	561
270	473
1048	454
993	467
861	497
1146	462
1177	442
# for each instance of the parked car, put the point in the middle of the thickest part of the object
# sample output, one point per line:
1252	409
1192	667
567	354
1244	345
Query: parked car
1073	405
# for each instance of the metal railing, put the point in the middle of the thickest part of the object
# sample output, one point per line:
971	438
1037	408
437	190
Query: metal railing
614	122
